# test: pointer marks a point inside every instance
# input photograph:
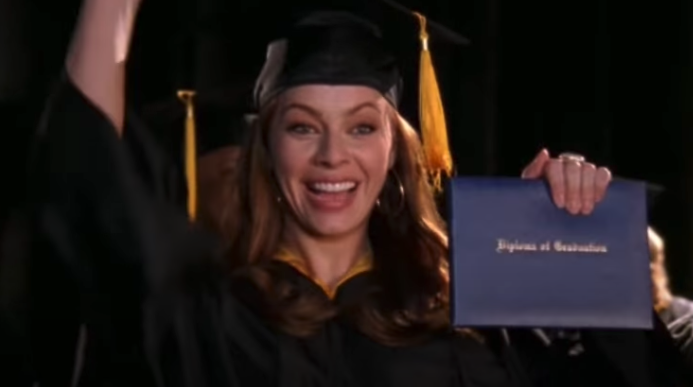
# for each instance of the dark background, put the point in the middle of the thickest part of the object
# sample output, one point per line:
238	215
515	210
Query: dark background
594	77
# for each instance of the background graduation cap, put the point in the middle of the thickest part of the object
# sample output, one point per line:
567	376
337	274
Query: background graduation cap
207	104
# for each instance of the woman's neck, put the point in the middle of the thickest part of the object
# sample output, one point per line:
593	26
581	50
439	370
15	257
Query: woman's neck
327	259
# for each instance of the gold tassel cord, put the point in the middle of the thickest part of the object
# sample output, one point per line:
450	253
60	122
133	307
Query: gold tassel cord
431	114
186	96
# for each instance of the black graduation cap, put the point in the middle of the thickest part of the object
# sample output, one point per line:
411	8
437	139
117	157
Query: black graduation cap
362	43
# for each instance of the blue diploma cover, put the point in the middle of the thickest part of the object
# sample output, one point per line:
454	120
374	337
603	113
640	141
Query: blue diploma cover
519	261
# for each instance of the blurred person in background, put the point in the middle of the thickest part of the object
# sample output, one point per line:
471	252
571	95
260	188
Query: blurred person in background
675	311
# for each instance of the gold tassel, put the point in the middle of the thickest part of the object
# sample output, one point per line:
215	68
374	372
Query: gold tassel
431	114
186	96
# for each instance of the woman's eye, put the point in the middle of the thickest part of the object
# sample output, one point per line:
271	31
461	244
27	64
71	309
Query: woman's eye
301	129
364	129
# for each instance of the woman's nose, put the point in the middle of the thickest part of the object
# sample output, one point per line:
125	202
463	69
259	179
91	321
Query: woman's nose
331	151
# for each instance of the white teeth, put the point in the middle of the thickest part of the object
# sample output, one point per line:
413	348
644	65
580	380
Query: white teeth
333	187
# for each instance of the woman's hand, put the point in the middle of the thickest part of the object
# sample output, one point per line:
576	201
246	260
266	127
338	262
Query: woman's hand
576	184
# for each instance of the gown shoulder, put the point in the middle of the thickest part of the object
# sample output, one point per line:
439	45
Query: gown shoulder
89	193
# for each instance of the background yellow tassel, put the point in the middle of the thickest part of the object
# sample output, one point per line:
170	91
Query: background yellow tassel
434	131
186	96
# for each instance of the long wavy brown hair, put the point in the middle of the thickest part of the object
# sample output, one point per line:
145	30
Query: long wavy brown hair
409	295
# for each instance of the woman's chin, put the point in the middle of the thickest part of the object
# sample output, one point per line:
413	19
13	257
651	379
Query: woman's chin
334	226
351	215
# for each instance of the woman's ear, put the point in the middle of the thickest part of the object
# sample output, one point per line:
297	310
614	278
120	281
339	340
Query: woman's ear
392	158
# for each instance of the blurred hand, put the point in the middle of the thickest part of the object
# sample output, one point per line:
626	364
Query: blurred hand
576	185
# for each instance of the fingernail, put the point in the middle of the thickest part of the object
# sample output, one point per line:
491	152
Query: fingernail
560	201
587	208
574	207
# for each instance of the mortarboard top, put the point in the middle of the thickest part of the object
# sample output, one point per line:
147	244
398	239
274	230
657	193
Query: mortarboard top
370	43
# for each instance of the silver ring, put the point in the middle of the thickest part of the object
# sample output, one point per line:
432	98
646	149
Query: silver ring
569	156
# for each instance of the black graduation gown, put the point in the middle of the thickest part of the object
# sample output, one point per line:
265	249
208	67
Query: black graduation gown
158	308
15	359
31	280
38	341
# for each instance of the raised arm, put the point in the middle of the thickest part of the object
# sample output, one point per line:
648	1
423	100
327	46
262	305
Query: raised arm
89	195
98	54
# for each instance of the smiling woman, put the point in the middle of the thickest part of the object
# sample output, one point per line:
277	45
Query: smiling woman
337	161
335	179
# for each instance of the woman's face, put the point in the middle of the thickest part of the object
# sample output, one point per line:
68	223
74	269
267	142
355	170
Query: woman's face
331	149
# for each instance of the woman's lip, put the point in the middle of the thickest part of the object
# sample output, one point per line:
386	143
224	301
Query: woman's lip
331	181
331	201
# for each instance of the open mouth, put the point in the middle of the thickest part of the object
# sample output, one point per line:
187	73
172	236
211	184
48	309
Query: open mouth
332	196
332	187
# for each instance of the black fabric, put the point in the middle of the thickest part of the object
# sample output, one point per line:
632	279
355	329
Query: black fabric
16	362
